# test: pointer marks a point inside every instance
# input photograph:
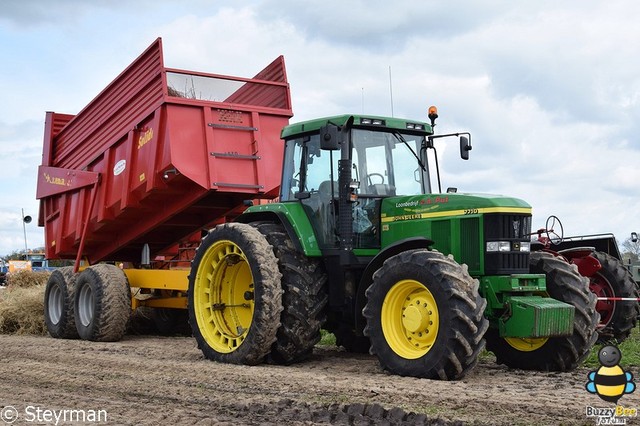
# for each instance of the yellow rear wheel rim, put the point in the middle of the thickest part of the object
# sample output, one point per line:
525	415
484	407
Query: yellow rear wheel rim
410	319
223	296
526	344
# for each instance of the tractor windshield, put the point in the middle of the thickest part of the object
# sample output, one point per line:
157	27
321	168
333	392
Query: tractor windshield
385	163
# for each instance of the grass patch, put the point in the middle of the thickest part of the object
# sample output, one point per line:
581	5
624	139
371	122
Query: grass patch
326	338
630	349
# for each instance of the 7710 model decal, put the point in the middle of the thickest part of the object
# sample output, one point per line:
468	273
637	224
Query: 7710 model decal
462	212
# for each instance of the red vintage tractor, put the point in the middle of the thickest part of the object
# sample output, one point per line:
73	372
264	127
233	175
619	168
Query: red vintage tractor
598	258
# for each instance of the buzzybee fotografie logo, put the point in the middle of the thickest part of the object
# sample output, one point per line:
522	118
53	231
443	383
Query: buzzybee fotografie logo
610	382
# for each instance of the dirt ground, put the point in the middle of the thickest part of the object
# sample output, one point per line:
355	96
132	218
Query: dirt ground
165	380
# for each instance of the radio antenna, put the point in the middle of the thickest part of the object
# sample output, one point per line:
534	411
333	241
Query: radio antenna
391	90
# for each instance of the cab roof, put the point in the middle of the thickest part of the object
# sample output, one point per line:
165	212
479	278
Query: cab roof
360	121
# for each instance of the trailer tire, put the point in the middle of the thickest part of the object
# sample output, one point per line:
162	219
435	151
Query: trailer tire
235	297
102	303
425	316
563	353
617	318
59	302
305	297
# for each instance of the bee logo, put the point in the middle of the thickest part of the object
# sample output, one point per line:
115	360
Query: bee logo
610	381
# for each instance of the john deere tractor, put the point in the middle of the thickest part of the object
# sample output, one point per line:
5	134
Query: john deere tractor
360	244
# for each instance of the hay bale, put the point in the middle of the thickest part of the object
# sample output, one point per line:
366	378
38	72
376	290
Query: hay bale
22	310
27	279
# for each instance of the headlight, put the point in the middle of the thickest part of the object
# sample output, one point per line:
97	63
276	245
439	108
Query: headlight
498	246
493	246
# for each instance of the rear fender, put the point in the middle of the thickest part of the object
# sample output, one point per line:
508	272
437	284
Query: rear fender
582	257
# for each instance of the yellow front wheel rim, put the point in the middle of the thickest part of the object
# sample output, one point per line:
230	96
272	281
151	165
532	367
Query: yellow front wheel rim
526	344
410	319
224	296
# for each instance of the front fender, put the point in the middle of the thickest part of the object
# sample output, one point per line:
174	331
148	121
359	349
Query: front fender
376	263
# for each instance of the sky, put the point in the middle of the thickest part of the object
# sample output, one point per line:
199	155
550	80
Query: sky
549	90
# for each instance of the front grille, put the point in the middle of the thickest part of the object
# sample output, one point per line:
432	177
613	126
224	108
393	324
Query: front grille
506	227
469	243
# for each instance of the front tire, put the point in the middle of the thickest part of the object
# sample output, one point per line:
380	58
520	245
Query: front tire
235	297
102	303
58	304
425	316
563	353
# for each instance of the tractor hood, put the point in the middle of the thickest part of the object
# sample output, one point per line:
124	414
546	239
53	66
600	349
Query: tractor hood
428	206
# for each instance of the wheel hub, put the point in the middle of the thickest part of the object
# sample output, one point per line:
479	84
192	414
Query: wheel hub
410	319
224	296
415	317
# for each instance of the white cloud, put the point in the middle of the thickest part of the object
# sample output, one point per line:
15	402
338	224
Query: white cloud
549	90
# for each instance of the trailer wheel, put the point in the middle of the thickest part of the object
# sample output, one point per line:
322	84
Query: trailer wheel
562	353
304	300
235	297
102	303
58	304
617	318
425	316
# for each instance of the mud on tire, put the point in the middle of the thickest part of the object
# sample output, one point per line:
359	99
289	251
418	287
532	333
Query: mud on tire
235	298
58	304
102	303
563	353
304	282
422	298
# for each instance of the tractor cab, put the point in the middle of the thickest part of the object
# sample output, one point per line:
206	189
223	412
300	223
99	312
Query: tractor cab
352	163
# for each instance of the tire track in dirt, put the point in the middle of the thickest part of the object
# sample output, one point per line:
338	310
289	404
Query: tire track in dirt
152	380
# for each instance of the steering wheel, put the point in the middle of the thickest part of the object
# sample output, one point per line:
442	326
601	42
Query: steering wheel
554	230
375	174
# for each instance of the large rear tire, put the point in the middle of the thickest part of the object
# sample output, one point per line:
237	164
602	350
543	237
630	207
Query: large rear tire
58	304
102	303
562	353
617	318
304	300
425	316
235	298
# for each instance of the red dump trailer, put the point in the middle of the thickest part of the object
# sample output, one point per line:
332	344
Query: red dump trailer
160	155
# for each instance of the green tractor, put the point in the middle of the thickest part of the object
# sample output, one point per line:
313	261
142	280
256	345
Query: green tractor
361	245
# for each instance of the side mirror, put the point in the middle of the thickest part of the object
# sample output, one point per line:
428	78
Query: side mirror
329	137
465	147
634	237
